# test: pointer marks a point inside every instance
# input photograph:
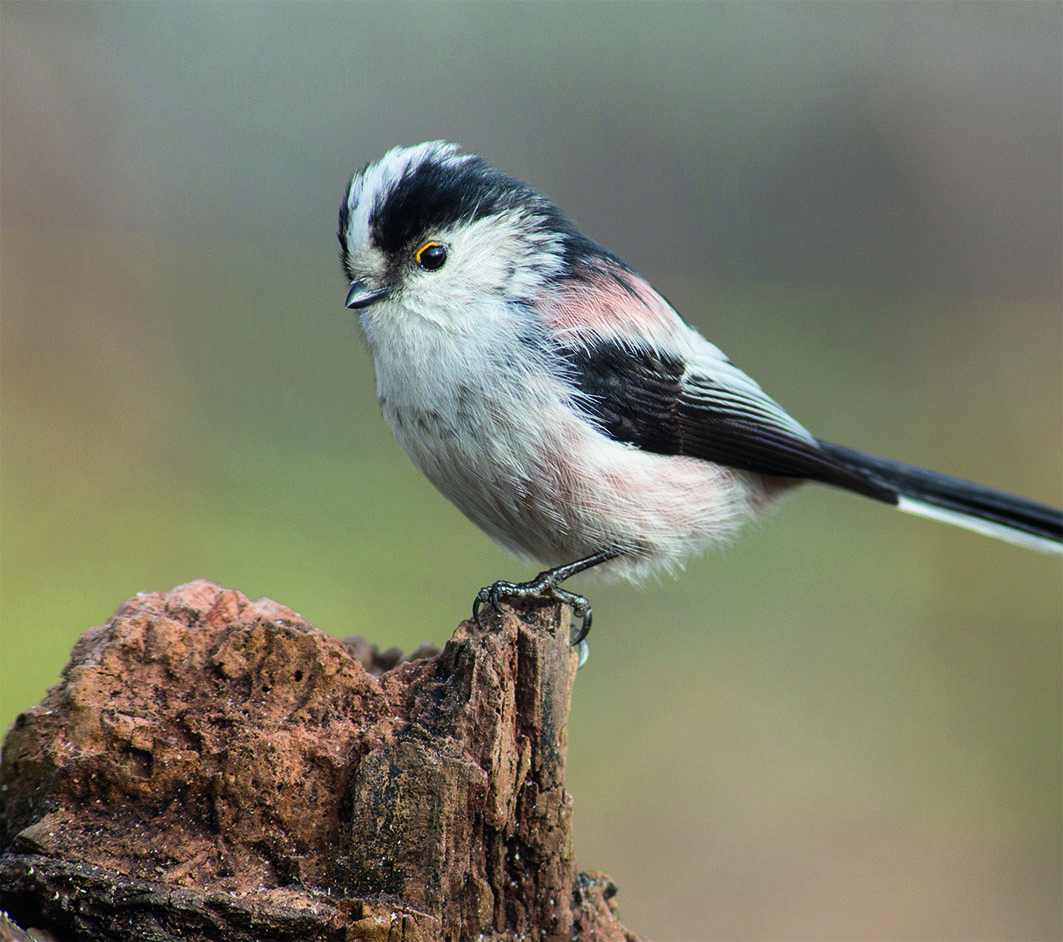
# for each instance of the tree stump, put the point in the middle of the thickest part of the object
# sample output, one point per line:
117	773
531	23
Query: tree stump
215	768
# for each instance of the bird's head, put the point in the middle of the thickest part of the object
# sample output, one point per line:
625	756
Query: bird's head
430	233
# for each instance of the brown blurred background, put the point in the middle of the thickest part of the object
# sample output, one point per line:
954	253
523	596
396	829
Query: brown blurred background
848	726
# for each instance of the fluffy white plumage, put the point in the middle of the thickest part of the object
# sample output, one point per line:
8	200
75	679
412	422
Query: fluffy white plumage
495	429
560	402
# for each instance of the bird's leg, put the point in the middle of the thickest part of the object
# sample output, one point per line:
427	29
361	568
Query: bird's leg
547	585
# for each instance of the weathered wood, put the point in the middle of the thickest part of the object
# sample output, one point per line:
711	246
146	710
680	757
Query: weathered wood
215	768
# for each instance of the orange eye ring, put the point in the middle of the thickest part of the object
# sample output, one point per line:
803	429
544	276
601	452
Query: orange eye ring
431	256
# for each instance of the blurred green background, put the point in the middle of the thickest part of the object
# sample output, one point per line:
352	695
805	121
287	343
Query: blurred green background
846	726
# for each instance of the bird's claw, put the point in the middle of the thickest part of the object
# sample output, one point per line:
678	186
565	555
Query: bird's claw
542	588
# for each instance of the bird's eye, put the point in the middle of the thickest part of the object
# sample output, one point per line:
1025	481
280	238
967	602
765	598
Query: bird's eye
431	256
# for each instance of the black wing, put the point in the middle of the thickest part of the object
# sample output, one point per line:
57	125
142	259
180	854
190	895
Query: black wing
651	400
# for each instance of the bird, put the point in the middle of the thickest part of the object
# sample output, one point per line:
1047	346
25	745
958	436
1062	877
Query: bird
562	403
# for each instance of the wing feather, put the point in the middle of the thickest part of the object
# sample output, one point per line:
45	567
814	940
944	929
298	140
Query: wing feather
656	402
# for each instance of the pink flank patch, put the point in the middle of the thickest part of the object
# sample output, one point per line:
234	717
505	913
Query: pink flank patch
609	302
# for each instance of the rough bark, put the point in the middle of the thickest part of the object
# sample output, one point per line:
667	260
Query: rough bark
215	768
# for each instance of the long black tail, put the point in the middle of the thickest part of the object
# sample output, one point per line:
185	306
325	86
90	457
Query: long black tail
960	502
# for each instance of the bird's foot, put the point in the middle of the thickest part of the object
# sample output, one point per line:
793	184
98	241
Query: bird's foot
543	587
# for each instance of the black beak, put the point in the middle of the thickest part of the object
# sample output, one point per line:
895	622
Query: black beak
360	295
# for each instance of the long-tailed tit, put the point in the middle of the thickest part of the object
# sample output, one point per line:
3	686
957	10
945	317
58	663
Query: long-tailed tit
564	406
